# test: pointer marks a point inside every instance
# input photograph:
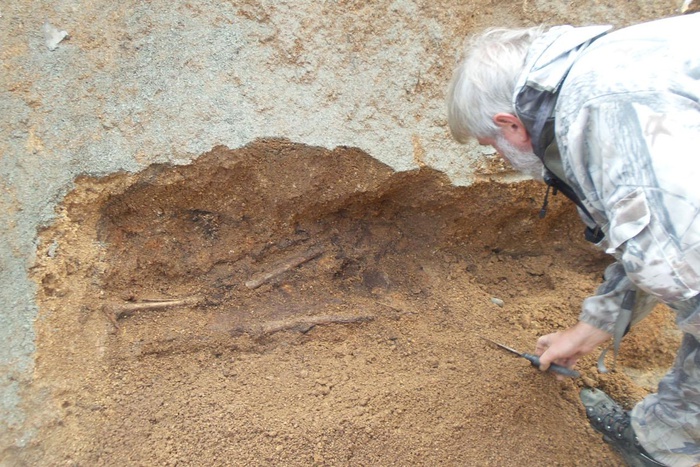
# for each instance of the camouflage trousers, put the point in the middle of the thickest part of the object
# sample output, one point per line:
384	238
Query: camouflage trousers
668	423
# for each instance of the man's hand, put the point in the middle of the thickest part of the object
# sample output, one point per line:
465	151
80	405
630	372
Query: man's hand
566	347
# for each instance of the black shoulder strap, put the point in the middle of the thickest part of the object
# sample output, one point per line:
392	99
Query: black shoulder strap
554	177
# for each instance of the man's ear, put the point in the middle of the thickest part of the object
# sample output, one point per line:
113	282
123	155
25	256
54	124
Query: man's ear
512	128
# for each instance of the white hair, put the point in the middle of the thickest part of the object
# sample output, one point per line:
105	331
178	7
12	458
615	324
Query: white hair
484	81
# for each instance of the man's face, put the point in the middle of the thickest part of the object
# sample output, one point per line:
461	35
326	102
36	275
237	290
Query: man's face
520	157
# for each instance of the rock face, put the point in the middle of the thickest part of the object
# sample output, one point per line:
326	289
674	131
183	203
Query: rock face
99	88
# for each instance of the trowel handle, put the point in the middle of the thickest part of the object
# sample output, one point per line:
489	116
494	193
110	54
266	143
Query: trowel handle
562	370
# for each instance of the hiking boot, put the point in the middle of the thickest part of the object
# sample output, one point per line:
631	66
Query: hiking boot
608	418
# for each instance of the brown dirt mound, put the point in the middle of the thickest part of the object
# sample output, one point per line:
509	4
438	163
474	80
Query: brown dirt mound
290	305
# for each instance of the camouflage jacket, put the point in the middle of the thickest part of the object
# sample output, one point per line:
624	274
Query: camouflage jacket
626	118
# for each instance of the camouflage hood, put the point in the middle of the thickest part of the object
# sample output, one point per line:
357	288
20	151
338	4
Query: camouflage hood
548	62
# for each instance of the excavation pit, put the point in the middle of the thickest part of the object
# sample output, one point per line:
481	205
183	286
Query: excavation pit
281	304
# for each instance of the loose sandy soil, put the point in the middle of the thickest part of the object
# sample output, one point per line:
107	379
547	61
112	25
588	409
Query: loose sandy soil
332	313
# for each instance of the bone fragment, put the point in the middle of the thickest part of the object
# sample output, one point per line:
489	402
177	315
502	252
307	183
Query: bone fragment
262	278
121	310
301	324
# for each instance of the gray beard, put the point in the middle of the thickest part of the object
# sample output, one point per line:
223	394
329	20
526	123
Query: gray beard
525	162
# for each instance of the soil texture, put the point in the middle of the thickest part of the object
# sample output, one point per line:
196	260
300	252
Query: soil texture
281	304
